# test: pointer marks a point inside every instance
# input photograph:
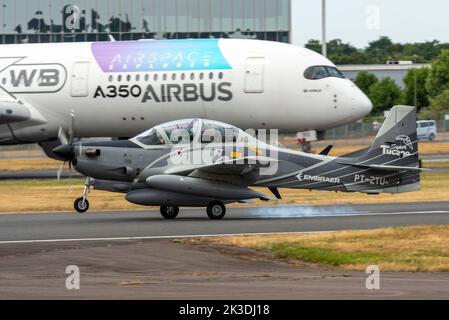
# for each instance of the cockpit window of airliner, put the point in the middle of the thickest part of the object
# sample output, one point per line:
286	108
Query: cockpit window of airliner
321	72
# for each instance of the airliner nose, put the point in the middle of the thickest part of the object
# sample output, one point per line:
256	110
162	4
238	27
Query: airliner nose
361	104
366	105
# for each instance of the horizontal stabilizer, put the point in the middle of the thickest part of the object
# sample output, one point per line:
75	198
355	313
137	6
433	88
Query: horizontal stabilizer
383	167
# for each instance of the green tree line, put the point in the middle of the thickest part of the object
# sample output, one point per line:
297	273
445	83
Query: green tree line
425	88
380	51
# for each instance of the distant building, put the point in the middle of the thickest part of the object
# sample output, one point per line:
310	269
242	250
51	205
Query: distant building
23	21
395	71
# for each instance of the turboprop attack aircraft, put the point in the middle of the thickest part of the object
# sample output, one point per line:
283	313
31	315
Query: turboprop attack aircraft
198	162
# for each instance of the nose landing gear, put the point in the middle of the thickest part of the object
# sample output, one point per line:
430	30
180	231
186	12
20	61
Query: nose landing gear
81	204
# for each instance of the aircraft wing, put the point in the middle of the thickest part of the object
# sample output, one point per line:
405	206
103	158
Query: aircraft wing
238	167
13	111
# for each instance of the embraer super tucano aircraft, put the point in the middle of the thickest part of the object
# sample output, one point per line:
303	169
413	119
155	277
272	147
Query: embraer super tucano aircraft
199	162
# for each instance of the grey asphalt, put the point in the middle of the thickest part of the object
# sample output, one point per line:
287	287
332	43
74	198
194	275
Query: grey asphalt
192	222
153	268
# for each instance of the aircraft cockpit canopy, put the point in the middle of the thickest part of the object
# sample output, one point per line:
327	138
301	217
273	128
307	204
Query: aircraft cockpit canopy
189	130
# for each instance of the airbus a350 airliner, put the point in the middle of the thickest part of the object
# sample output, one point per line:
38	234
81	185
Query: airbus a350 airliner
121	88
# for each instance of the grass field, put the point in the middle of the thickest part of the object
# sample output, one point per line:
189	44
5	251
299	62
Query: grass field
422	248
50	195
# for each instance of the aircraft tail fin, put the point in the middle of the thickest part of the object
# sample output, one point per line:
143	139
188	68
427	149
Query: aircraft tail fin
394	150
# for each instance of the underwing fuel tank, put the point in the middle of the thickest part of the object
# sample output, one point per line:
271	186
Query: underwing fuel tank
151	197
201	187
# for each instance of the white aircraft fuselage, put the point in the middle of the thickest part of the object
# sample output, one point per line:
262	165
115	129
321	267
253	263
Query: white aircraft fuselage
118	89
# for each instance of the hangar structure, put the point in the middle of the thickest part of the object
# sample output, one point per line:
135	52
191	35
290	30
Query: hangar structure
31	21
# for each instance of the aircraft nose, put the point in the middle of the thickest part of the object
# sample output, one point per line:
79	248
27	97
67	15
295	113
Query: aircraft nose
65	151
361	104
366	106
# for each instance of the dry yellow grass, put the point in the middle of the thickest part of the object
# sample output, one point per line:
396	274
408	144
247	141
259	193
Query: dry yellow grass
49	195
28	164
422	248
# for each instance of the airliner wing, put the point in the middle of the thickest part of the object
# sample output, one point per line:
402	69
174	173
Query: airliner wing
13	111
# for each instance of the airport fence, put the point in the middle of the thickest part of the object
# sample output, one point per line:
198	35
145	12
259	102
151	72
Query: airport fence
367	129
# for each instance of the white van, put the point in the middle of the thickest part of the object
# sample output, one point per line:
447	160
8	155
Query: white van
426	129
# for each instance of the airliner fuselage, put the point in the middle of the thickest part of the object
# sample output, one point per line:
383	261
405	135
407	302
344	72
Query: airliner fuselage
117	89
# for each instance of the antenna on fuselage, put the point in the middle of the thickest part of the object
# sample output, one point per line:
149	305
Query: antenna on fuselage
111	38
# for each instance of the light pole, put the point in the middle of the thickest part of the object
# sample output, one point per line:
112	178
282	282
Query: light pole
415	80
323	21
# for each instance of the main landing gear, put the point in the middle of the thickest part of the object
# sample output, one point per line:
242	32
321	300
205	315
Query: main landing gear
216	210
81	204
169	212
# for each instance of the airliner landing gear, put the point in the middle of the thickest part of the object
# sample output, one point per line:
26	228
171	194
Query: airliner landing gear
81	204
169	212
216	210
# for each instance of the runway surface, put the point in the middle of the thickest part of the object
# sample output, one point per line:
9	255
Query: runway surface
194	222
115	263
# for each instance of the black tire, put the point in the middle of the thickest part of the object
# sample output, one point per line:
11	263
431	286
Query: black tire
169	212
80	206
216	210
432	137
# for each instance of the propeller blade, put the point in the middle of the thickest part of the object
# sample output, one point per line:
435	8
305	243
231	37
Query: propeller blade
71	127
62	137
59	172
70	177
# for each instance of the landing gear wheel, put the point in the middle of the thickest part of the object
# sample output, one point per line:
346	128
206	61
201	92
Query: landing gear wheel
216	210
81	205
169	212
